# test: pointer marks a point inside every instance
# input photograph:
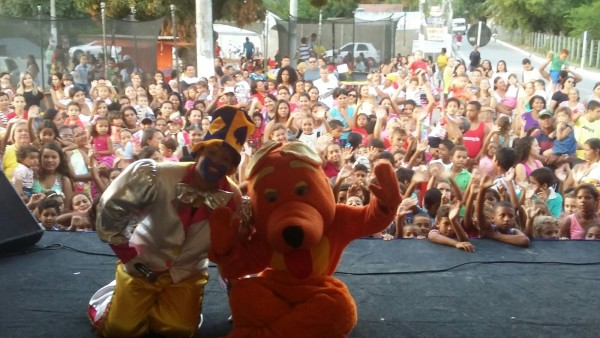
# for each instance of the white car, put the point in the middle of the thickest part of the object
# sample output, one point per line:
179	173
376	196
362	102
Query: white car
459	25
95	48
356	48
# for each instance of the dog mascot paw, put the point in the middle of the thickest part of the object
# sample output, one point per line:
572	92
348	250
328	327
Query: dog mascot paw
298	239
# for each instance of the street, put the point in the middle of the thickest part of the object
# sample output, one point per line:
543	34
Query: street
499	50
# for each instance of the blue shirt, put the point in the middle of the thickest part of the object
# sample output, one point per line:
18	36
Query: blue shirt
336	115
568	145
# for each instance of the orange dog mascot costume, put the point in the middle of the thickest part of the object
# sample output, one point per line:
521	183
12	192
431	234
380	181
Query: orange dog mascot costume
300	234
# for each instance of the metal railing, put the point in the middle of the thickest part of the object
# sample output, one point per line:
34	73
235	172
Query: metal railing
587	50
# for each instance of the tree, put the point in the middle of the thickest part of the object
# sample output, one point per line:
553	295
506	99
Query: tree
585	18
242	12
532	15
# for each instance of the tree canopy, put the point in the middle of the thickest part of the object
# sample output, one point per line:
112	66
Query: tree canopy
556	16
242	12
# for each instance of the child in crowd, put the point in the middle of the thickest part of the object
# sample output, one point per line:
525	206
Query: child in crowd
47	132
125	152
142	108
447	231
101	141
176	132
545	227
593	233
570	201
73	111
167	148
48	211
22	181
104	93
559	62
307	134
564	135
541	181
116	123
504	219
100	108
81	73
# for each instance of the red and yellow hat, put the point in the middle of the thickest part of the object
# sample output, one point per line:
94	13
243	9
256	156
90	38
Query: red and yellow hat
230	127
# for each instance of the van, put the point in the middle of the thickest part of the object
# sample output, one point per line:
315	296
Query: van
459	25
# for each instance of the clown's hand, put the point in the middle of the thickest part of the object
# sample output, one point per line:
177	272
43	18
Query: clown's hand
386	190
223	230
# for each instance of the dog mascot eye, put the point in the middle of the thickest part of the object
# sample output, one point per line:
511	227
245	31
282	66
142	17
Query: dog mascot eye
301	188
271	195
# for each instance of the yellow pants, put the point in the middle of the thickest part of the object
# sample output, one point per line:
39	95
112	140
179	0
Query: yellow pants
166	308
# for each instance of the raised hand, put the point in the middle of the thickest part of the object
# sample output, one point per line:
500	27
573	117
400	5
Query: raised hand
422	145
510	175
345	172
406	206
380	113
386	190
561	172
420	176
454	210
487	181
373	152
435	170
347	153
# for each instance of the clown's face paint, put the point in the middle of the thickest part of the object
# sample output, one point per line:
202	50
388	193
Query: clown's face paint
212	171
214	163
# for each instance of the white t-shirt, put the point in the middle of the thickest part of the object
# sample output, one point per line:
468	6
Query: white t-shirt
531	75
326	90
309	140
25	174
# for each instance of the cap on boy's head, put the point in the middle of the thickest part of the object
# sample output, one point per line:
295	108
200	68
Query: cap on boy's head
175	118
230	127
545	113
126	57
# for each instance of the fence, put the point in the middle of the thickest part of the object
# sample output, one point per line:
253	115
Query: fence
337	32
542	43
55	44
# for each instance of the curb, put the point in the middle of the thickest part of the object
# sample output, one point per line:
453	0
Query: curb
539	59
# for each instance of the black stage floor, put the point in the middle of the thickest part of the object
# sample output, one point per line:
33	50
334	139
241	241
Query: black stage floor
403	288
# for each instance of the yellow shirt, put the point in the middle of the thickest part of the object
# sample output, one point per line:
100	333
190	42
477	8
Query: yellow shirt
9	161
585	130
442	61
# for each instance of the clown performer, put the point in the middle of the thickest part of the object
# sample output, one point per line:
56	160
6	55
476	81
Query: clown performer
155	218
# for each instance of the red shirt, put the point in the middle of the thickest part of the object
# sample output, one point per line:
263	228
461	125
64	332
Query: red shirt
12	115
473	140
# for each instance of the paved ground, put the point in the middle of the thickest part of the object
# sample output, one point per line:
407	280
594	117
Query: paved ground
512	55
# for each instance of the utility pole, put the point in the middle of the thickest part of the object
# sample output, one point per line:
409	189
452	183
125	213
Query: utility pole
205	51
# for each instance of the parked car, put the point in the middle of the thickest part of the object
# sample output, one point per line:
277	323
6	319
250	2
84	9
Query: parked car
459	25
368	50
95	48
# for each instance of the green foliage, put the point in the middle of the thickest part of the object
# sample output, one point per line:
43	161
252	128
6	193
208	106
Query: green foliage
472	10
533	15
585	18
306	9
24	8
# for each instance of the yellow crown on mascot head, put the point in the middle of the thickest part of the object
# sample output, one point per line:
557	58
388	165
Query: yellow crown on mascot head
230	127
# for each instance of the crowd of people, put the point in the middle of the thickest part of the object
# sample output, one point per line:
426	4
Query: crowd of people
512	156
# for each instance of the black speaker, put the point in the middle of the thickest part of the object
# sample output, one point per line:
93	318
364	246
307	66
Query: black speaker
18	228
